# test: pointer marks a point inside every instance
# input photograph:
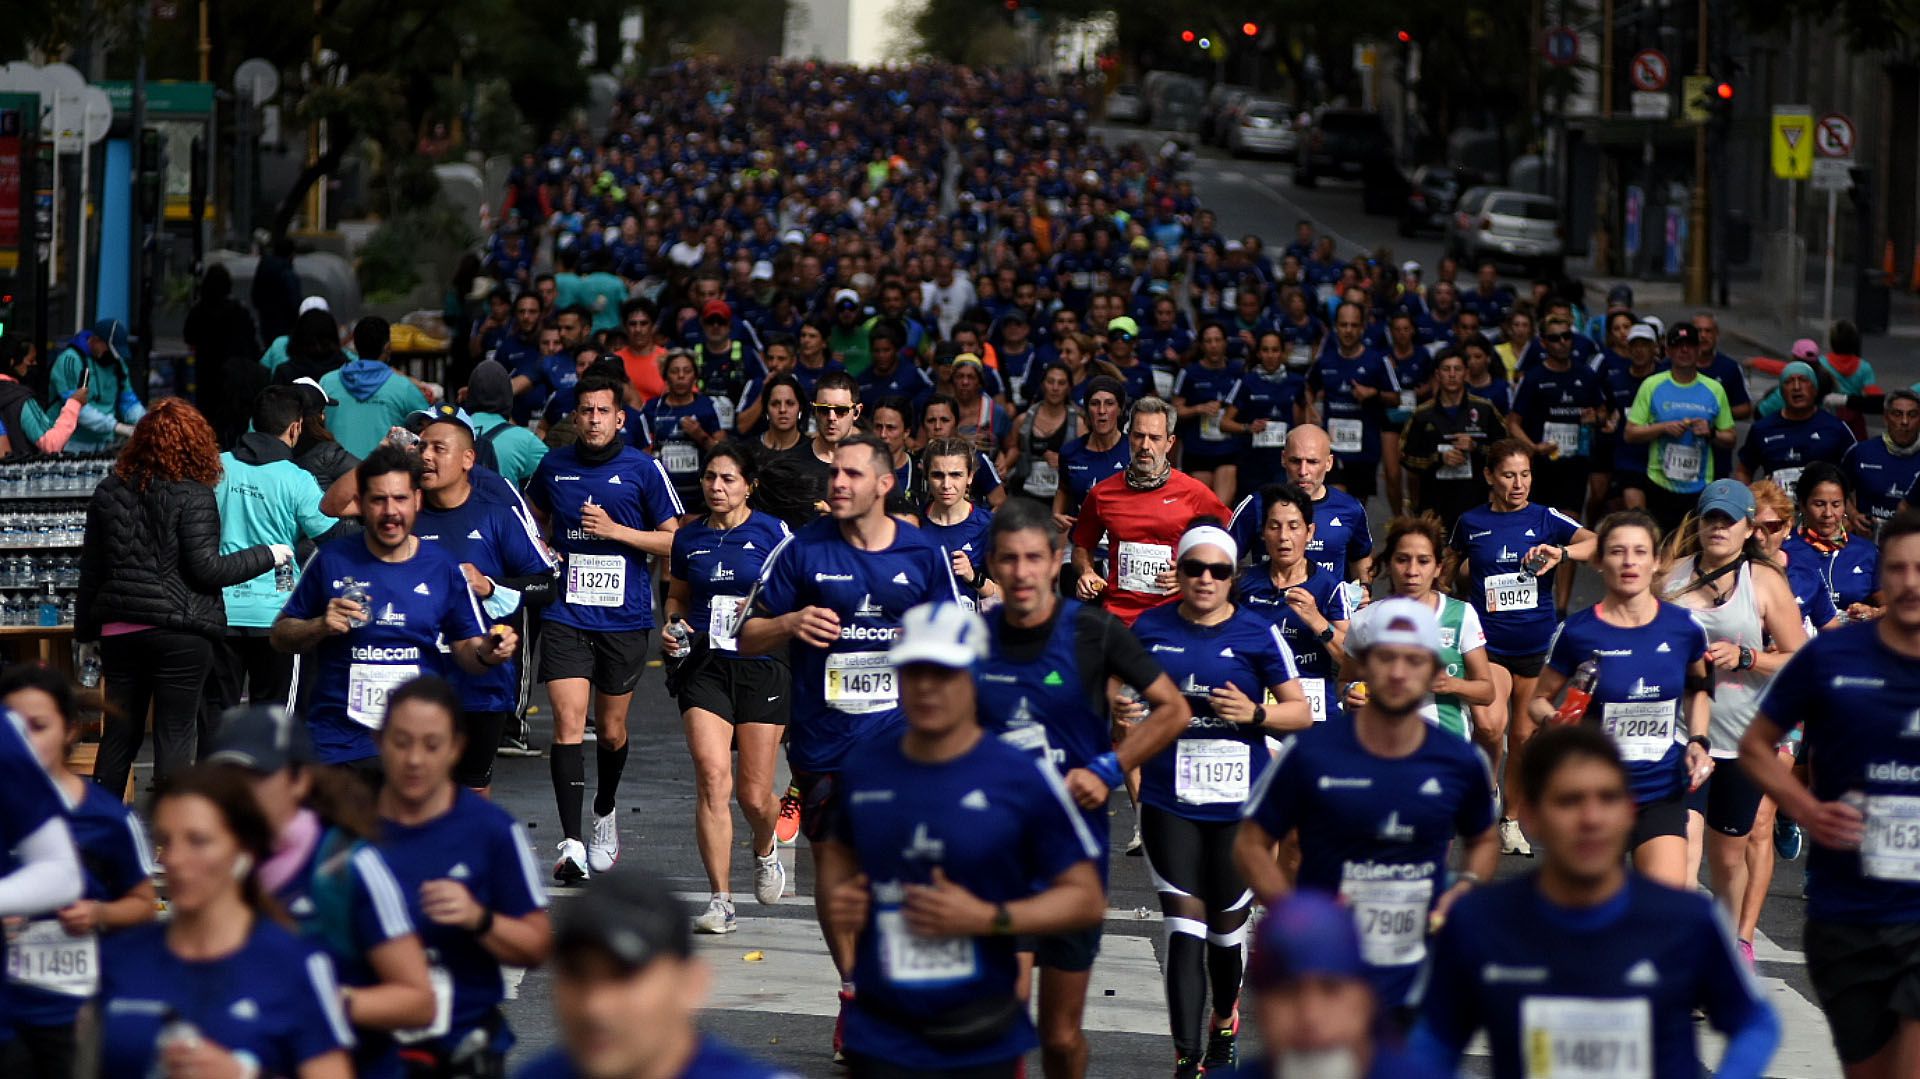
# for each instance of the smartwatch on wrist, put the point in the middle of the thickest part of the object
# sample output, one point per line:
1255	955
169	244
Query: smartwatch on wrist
1259	715
1701	741
1326	635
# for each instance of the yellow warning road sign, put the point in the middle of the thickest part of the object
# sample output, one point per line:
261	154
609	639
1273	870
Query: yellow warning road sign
1792	142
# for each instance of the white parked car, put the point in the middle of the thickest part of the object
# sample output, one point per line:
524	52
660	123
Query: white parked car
1124	105
1511	227
1263	127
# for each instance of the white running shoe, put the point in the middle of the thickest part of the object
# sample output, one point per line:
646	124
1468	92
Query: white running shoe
572	866
717	919
604	848
769	878
1513	840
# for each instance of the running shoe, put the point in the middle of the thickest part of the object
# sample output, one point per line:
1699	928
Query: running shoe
1746	952
1186	1068
604	848
515	745
1223	1044
840	1029
787	828
769	877
718	917
1788	838
1513	840
1136	845
572	866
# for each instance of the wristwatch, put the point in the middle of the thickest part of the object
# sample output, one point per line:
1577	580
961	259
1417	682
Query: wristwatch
1002	920
1701	741
1259	715
1746	658
1326	635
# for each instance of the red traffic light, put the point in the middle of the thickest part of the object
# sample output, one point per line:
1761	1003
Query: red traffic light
1011	5
1724	91
1251	29
1405	37
1187	36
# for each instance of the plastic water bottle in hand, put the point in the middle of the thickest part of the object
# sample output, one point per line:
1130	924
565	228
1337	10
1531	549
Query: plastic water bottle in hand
679	638
1573	706
356	592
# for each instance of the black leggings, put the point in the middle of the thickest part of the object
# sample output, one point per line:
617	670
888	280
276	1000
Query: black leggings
1204	905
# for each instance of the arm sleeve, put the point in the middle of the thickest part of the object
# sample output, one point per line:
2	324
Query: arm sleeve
462	620
778	589
658	497
1124	656
47	876
1059	837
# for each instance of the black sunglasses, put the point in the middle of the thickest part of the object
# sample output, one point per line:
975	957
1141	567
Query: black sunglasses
1556	338
1119	335
1193	567
716	322
835	410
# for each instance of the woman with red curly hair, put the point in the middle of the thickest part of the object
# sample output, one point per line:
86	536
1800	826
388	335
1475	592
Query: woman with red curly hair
150	580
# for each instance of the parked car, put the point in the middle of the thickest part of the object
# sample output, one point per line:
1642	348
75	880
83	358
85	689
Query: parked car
1343	144
1431	194
1222	98
1124	105
1263	126
1496	225
1171	100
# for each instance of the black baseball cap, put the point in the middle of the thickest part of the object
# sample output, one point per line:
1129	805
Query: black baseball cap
627	915
262	738
1683	333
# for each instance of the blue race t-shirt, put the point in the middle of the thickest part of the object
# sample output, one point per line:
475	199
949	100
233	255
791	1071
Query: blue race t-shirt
1354	426
997	822
720	566
1516	610
1881	478
712	1059
1549	404
481	847
1202	436
1855	698
606	584
275	998
1310	658
1640	700
969	537
1340	535
662	435
1374	831
501	543
1614	985
1273	397
45	989
1850	574
848	693
1207	772
1782	448
1083	467
413	606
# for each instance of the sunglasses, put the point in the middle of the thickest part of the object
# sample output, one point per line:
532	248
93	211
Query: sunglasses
715	321
1771	528
1556	338
1194	568
1119	335
835	410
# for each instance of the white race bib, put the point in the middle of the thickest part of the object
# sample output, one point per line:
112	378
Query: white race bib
1392	918
1210	428
1642	729
43	956
1586	1038
1272	437
861	682
1348	434
1316	691
1140	563
1563	436
1042	479
1409	400
1891	848
1211	771
1461	471
1512	592
596	580
1787	479
724	410
723	617
679	456
442	983
1681	463
1299	356
1163	382
368	685
911	959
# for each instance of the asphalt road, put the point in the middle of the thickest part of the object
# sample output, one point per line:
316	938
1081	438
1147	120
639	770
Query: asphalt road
774	988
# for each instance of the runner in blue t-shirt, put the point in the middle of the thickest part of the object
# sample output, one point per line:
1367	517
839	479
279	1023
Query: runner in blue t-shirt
1784	444
1353	385
1225	660
1043	687
1654	694
1882	470
220	982
1584	967
1509	551
1341	543
950	842
1824	544
1268	401
1377	798
728	702
680	425
1202	396
627	989
1308	604
951	522
832	597
466	870
54	961
1101	453
373	611
606	508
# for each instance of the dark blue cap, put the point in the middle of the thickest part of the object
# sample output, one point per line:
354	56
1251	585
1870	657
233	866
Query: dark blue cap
1306	933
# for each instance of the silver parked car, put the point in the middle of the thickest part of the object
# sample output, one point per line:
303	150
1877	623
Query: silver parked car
1124	105
1496	225
1263	126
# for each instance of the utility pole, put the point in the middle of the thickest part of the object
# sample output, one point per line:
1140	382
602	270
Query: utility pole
1697	289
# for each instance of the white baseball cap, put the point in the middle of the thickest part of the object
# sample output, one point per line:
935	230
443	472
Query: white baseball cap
762	271
1640	331
944	634
846	295
315	303
1409	267
1397	621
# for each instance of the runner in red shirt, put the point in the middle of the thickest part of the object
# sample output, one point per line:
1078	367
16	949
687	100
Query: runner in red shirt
1141	514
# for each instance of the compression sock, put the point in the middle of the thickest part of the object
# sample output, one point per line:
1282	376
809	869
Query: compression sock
569	769
1186	979
609	763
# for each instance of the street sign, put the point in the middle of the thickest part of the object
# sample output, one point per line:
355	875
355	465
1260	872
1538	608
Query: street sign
1834	136
1650	70
1792	142
1561	47
1652	105
1832	174
1694	90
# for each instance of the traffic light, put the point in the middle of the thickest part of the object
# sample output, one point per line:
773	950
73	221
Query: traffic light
1205	43
1404	37
1251	29
1720	103
1187	36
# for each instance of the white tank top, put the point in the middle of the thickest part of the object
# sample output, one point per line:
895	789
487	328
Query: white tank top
1736	694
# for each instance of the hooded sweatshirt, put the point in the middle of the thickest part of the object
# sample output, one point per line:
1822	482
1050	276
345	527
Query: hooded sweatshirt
110	394
373	399
264	498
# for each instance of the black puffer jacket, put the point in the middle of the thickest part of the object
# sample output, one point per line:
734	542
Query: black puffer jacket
155	559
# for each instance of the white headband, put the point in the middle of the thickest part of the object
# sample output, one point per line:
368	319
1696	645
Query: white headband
1209	536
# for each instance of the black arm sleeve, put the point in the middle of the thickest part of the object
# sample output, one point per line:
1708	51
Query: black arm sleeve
536	589
1105	648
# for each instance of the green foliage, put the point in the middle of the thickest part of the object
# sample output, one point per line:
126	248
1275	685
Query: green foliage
388	263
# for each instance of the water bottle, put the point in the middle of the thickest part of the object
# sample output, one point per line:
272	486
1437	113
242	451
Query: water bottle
356	592
49	612
681	636
283	576
174	1031
90	668
1573	706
